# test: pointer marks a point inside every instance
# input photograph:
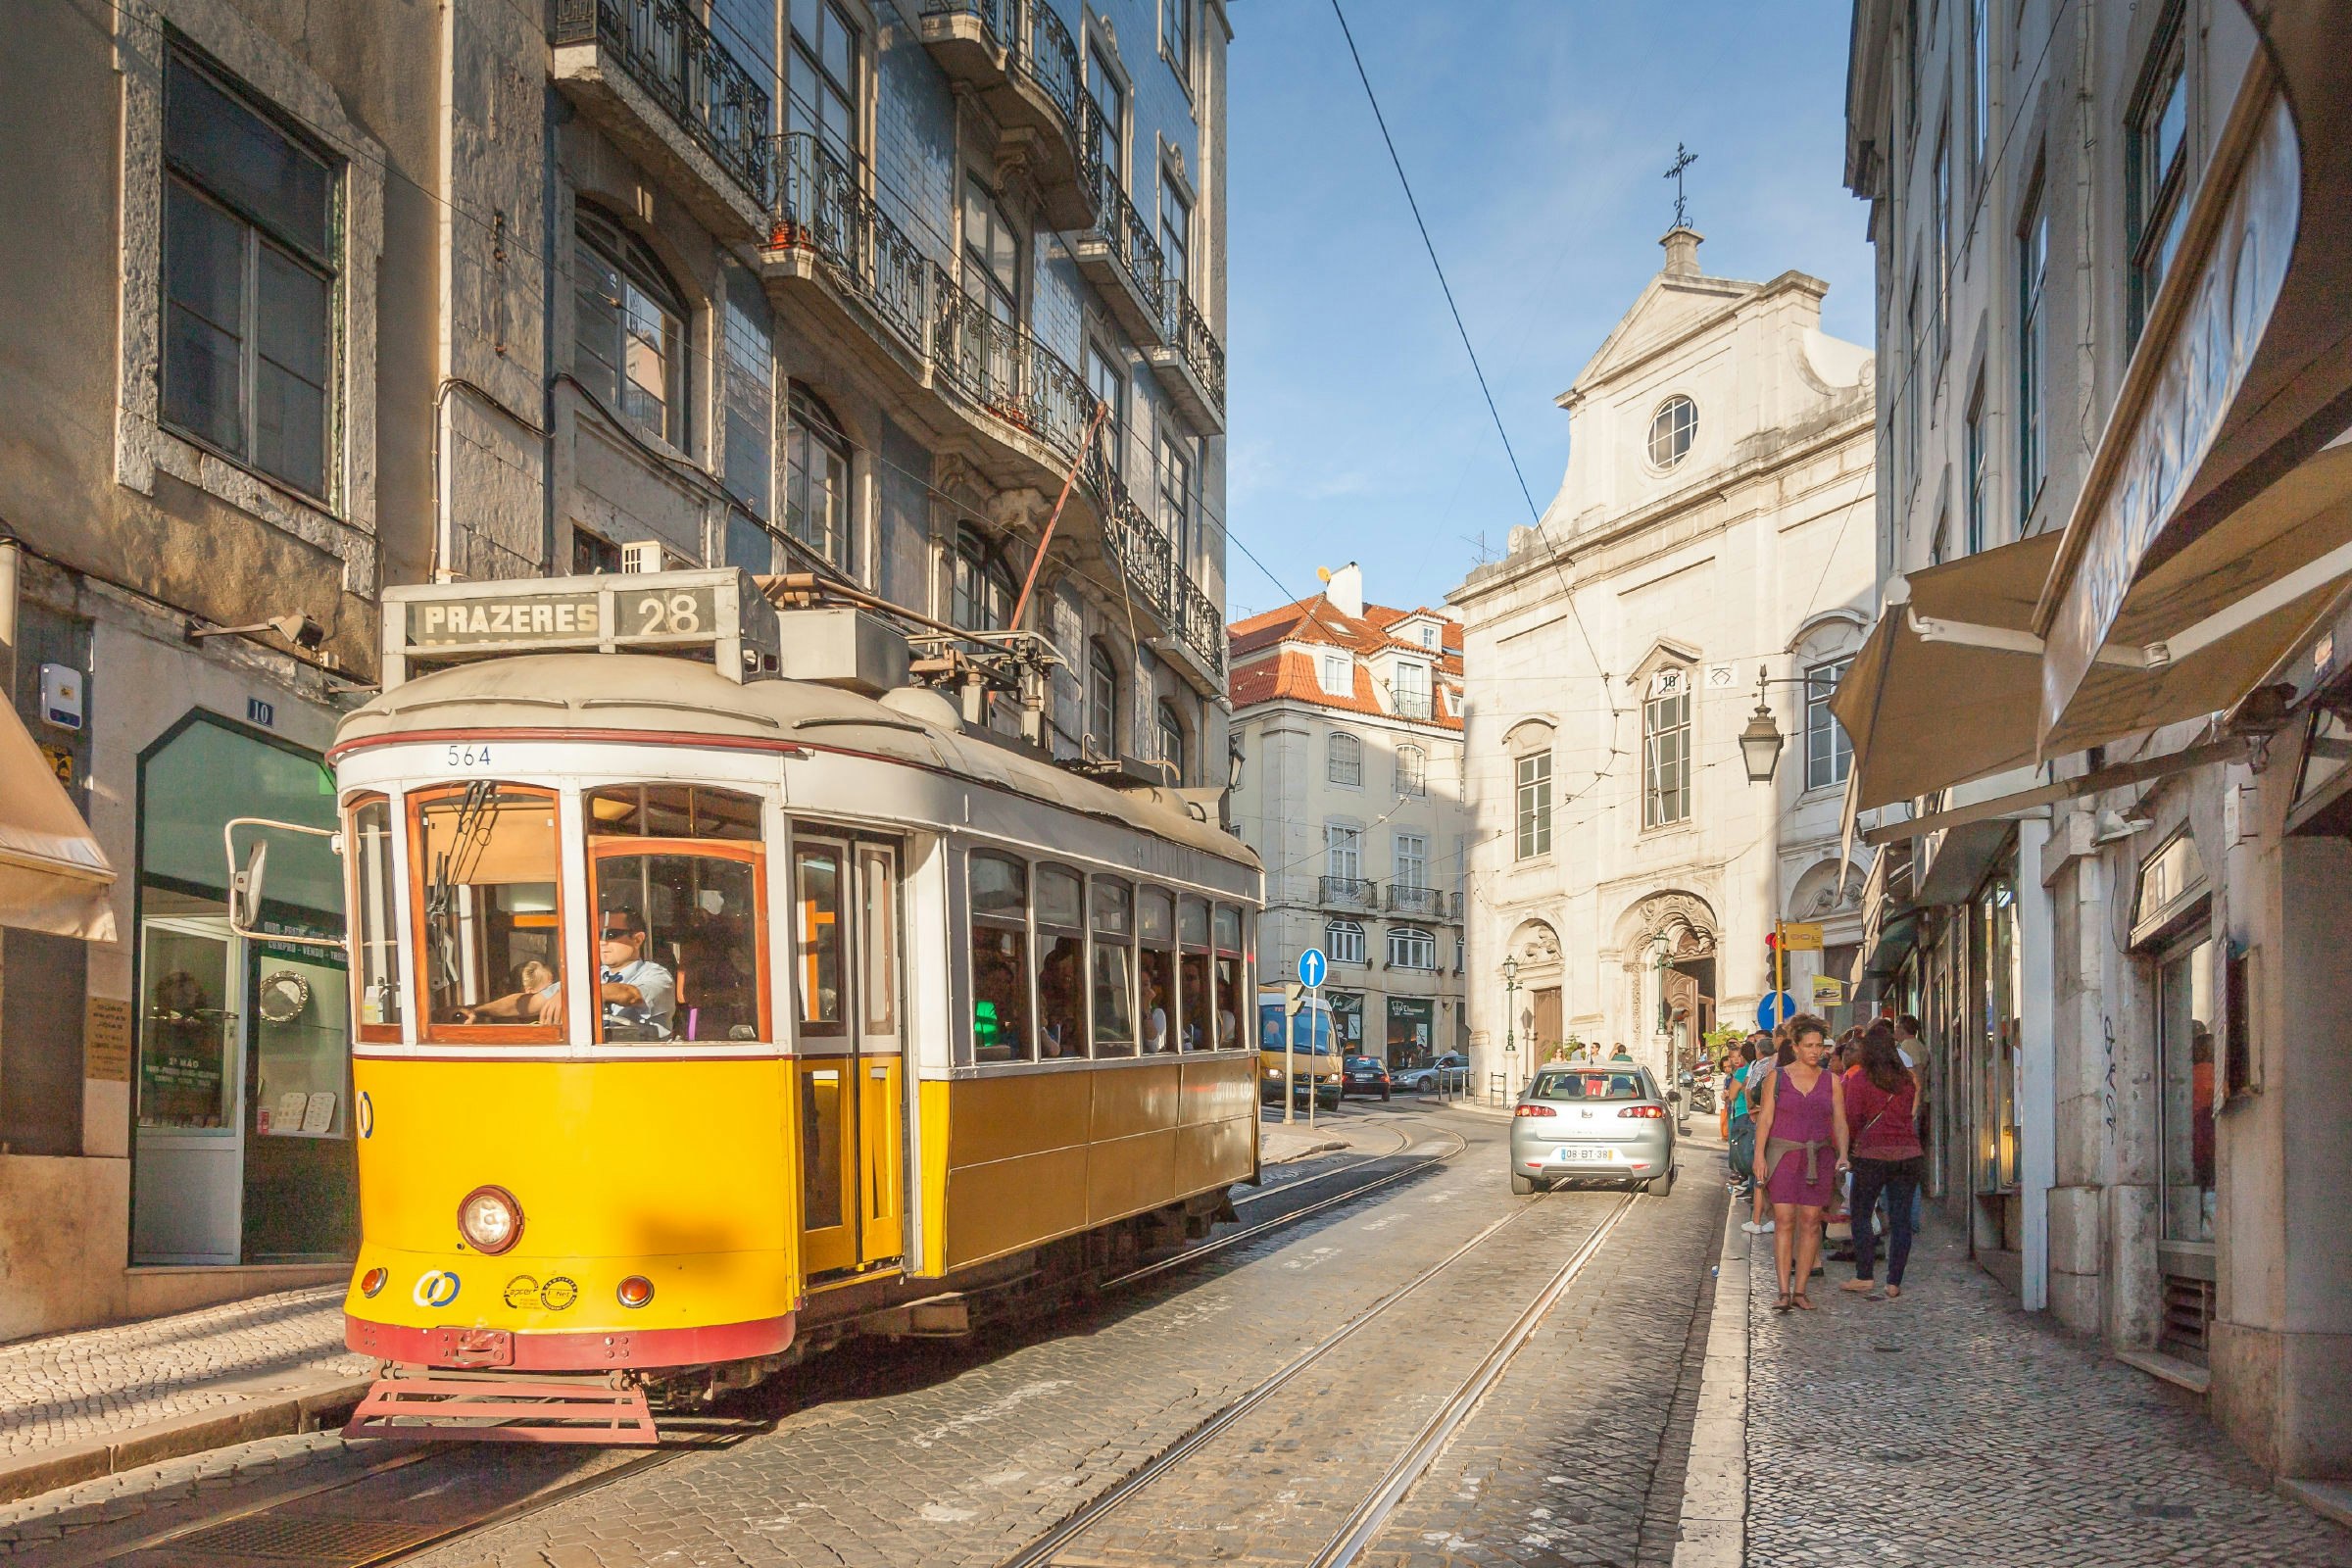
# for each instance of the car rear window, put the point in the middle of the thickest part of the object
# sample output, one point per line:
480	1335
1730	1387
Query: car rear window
1588	1085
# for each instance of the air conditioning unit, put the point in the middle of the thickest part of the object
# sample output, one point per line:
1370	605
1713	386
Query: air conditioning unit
641	556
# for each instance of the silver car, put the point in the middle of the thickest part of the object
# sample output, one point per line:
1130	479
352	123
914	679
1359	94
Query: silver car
1609	1122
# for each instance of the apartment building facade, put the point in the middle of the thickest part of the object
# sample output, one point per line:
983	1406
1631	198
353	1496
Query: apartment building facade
1699	564
2096	721
1348	725
305	304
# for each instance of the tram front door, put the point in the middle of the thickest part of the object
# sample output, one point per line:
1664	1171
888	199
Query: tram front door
852	1108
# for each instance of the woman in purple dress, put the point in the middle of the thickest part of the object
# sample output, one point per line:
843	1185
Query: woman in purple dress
1801	1145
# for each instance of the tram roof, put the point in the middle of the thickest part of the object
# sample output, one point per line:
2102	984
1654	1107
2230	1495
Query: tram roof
553	692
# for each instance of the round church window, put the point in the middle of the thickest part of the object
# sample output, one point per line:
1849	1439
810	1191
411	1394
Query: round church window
1670	429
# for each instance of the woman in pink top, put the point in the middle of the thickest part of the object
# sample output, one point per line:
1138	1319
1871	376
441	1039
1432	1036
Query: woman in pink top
1882	1104
1801	1133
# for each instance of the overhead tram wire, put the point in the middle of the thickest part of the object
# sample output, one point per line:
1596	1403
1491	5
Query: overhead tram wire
1550	555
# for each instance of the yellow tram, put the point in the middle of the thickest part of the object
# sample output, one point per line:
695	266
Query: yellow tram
721	995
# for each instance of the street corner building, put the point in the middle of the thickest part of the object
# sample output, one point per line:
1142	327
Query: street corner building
1348	728
2100	722
307	305
1704	568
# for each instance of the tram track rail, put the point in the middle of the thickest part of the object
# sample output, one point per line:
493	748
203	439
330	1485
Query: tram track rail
1372	1511
294	1504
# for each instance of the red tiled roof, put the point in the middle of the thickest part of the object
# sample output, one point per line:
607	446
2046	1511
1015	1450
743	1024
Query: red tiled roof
1318	620
1291	676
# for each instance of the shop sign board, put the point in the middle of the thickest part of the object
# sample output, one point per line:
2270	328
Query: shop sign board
1800	935
106	1040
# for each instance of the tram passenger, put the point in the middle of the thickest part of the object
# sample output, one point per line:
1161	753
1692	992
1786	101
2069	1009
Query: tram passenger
1156	1010
640	997
536	999
1060	1002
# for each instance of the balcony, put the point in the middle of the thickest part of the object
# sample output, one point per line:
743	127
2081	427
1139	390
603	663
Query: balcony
1422	903
831	244
651	76
1346	893
1413	704
1123	261
1018	57
1189	361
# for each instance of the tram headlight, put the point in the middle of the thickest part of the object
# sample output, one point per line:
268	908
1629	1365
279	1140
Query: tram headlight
490	1221
635	1291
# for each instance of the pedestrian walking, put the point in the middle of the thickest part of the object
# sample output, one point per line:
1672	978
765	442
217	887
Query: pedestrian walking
1741	1138
1773	1053
1881	1096
1801	1121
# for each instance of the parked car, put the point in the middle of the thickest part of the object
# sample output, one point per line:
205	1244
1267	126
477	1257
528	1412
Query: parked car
1365	1075
1610	1122
1449	1071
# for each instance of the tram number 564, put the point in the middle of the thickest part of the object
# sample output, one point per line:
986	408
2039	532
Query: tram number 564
467	757
685	614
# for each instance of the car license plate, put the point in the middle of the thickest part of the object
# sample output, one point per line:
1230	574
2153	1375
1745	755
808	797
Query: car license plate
1582	1153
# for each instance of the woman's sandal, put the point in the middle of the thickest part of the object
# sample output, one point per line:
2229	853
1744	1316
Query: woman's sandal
1782	1305
1800	1300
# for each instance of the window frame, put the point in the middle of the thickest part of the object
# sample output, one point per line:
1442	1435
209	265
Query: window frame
1412	783
1819	719
1665	716
1531	803
1170	727
392	882
809	428
1344	839
1096	940
1675	417
1418	879
1039	929
1003	298
1102	698
751	852
1176	32
1175	231
1107	85
641	275
1344	938
413	804
978	920
255	231
2033	274
1410	941
1978	525
2154	218
804	51
976	561
1344	741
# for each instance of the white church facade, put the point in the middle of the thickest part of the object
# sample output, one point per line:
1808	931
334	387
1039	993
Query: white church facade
1714	530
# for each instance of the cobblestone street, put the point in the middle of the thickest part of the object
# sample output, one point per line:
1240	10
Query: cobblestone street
1949	1428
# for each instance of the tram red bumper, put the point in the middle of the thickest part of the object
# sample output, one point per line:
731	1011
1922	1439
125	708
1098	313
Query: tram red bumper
470	1348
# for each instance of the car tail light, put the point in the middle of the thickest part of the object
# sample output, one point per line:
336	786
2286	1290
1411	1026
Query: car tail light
1647	1112
490	1221
635	1291
1534	1110
372	1281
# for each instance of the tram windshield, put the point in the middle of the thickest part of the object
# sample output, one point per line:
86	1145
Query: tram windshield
491	920
679	913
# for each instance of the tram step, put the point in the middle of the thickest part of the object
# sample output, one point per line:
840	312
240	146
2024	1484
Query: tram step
501	1410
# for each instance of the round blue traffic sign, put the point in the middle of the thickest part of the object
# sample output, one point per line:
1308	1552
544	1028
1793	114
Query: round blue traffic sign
1777	1007
1312	967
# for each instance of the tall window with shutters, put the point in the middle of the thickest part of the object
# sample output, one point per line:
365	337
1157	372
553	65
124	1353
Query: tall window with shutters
1531	805
1344	764
1412	772
1666	750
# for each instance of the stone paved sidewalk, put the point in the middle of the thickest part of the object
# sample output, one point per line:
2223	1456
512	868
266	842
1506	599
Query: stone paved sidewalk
1950	1429
99	1383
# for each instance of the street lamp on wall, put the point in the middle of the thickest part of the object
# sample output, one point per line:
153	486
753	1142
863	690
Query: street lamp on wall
1510	1020
1761	742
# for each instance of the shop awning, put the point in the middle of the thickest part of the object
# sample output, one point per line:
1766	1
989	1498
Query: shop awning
52	877
1943	690
2216	518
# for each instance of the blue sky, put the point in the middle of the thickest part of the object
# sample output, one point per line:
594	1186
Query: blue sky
1534	132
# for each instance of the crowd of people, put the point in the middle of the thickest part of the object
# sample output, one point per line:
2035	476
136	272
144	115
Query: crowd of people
1814	1127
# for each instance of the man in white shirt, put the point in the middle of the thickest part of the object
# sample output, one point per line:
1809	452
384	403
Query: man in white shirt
639	997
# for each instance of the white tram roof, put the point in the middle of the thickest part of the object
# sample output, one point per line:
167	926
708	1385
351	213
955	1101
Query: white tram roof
679	697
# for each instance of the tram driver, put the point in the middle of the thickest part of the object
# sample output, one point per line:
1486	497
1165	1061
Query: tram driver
639	997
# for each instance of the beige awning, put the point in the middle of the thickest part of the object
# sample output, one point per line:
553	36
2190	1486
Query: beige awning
2216	517
53	876
1945	689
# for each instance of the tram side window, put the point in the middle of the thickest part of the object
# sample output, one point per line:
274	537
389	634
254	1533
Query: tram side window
816	879
1061	962
677	947
673	811
376	923
486	869
1114	967
1232	986
1155	967
1000	905
1191	973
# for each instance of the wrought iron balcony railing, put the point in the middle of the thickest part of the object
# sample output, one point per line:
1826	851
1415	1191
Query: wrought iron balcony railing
1188	333
1002	366
1203	626
1038	46
1428	903
1131	242
1413	704
1350	892
668	52
822	207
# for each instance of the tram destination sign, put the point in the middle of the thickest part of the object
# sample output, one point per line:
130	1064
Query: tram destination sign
716	616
